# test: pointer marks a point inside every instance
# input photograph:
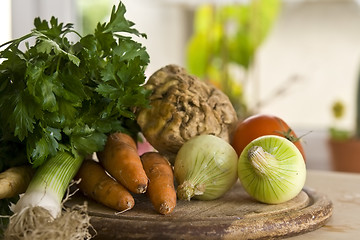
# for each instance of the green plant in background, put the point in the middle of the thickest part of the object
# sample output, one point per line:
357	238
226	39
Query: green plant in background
224	42
92	12
338	112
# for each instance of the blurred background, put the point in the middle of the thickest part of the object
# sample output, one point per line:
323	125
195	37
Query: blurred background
290	58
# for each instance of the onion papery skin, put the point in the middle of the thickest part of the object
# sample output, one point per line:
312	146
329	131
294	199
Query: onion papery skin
279	176
205	168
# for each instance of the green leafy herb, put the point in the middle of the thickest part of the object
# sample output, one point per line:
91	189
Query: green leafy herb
57	95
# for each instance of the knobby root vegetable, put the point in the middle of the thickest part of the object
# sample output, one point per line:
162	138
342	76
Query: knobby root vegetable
182	107
15	180
96	184
122	161
161	189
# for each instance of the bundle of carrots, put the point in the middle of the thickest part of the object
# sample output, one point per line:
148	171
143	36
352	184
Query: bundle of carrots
121	172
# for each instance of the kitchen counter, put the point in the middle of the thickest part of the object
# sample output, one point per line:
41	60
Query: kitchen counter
344	191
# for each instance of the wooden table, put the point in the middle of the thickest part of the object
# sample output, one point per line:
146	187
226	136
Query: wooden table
344	191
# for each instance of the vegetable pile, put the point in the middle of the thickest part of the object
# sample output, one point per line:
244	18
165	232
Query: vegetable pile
262	151
208	153
59	100
62	102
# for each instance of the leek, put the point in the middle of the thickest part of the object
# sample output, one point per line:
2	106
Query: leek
35	212
49	184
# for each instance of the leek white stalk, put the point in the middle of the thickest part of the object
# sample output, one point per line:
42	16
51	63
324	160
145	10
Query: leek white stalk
39	209
205	168
49	184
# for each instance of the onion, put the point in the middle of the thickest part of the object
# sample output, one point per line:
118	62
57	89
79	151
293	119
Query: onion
272	169
205	168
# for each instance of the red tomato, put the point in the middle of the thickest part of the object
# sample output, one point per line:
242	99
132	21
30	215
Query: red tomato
260	125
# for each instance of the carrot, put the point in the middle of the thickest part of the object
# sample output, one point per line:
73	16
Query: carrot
97	185
121	159
161	190
123	138
15	180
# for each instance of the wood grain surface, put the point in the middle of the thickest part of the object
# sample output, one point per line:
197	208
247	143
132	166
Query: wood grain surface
234	216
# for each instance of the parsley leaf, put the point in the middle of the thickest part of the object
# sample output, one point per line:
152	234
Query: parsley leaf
57	95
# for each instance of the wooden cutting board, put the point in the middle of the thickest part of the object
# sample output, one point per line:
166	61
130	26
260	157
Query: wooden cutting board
234	216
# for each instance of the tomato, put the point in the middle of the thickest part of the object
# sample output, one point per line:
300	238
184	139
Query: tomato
260	125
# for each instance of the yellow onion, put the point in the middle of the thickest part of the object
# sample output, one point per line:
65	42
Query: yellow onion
205	168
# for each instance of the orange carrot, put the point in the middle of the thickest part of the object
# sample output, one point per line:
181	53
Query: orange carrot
122	138
97	185
120	158
161	188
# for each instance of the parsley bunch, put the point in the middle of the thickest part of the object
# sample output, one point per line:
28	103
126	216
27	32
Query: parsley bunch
63	96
